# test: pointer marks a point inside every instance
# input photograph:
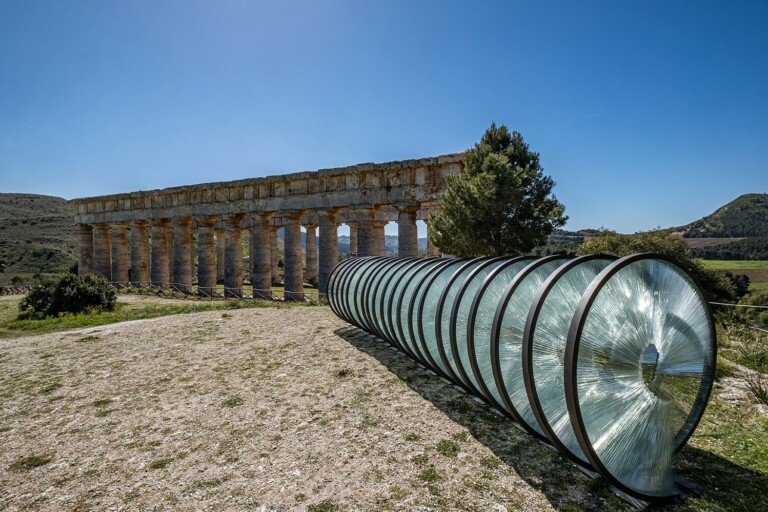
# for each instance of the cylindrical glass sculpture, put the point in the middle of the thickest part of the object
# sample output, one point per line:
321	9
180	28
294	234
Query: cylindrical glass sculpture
609	361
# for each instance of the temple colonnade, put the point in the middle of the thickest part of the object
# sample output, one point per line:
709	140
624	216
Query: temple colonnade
148	238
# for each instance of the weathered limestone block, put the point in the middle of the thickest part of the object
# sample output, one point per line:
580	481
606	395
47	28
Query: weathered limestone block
432	251
120	254
311	256
329	248
275	255
220	254
102	250
365	236
206	257
85	249
262	256
233	257
292	264
160	253
379	239
407	236
182	252
140	254
352	238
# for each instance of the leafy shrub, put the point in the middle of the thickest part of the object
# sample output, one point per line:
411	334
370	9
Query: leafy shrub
71	294
715	283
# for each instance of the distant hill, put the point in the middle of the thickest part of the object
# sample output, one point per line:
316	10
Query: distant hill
745	216
37	236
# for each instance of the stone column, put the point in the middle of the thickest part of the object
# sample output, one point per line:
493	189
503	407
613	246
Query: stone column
139	254
432	251
365	240
292	264
407	236
311	256
329	248
120	254
160	254
220	254
352	238
261	257
84	249
379	239
102	251
274	255
182	255
192	250
206	257
233	257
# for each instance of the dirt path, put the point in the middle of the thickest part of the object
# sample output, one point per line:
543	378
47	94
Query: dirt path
262	409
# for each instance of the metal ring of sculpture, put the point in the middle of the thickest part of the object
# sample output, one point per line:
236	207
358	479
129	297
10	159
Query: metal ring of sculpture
609	361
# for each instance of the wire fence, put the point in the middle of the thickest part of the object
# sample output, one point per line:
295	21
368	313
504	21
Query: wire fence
187	292
738	305
15	290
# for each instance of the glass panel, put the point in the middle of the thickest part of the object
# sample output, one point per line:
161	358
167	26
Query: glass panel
547	349
410	303
363	288
511	337
645	354
386	287
432	289
402	298
343	286
479	329
371	296
355	291
450	291
388	296
460	356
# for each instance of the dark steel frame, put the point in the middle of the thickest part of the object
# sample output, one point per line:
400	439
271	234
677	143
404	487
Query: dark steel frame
528	332
572	352
495	335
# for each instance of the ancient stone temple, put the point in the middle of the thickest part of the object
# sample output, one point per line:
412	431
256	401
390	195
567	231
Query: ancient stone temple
147	238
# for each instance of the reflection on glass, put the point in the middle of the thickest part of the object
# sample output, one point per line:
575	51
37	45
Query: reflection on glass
488	298
547	349
635	423
459	350
511	338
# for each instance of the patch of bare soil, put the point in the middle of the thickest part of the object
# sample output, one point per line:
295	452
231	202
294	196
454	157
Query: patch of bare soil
257	409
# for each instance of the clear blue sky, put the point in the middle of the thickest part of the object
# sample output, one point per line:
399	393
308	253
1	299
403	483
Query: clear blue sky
646	114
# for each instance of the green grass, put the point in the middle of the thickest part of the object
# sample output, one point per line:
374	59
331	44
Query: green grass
728	457
757	271
31	462
233	401
327	505
735	264
161	463
448	448
11	326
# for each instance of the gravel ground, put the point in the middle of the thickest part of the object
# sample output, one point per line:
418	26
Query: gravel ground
257	409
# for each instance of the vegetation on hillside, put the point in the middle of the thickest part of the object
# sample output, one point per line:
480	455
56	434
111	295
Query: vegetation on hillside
745	216
501	203
716	284
37	237
755	248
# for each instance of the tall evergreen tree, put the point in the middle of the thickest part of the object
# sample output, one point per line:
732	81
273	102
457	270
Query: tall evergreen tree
501	204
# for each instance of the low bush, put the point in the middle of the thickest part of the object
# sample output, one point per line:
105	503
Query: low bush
70	295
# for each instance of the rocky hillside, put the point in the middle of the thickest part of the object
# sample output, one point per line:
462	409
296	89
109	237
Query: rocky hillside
745	216
37	237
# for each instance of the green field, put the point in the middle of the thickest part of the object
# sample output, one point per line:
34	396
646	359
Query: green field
757	271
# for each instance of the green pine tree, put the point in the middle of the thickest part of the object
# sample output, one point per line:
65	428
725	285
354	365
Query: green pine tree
501	204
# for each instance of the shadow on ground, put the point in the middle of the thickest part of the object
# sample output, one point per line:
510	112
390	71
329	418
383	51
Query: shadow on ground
565	486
